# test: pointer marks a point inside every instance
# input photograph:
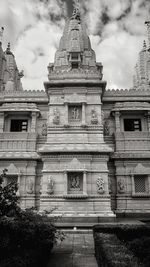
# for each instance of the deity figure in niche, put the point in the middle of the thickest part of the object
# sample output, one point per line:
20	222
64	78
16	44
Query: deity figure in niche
75	182
44	129
50	186
121	186
30	186
100	185
94	119
106	127
56	118
75	113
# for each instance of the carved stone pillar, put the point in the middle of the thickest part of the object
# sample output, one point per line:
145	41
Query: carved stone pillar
84	183
18	181
66	114
1	122
83	113
33	122
148	120
65	183
117	121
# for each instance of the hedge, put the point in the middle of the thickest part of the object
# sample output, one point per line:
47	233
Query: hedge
111	252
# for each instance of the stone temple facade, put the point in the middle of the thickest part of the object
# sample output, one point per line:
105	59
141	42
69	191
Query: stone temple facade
76	146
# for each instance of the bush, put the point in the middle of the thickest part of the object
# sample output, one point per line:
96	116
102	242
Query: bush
27	236
135	237
111	252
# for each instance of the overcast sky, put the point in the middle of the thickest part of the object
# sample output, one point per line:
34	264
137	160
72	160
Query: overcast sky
116	29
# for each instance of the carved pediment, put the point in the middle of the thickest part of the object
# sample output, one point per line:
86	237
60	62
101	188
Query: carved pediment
140	169
12	169
75	164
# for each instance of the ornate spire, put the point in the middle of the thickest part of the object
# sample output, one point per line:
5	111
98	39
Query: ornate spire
148	30
1	34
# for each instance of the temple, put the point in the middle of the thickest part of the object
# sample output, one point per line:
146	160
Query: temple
77	147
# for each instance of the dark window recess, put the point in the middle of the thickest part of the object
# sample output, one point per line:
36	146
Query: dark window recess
75	65
19	126
74	56
140	183
132	125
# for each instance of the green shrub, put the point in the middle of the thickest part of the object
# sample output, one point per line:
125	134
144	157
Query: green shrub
111	252
24	233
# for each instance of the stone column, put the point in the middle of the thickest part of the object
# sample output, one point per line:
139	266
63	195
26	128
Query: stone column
132	184
84	183
83	114
66	114
33	122
18	182
1	122
65	183
117	120
148	120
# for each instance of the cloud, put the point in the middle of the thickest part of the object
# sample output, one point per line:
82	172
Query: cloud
116	29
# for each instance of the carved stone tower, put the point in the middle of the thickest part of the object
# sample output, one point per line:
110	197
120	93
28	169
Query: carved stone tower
75	156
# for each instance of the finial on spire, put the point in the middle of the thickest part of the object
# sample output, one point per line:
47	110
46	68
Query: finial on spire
76	13
144	44
8	48
1	34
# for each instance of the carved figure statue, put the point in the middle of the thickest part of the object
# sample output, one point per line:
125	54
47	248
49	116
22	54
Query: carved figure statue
56	118
44	129
121	186
50	186
30	186
75	113
94	119
100	185
106	128
75	182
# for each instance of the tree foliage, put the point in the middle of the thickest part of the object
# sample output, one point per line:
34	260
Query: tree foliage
8	197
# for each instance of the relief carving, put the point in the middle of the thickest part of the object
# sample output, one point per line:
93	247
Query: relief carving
106	128
94	119
50	186
75	113
75	182
121	186
56	118
100	185
30	186
44	129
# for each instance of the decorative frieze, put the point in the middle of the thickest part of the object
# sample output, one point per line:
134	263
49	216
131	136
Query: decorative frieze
100	185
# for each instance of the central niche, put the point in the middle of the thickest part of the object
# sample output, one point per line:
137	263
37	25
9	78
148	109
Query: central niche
75	113
75	182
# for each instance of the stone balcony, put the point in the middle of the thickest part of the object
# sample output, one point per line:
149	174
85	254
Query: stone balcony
132	141
17	141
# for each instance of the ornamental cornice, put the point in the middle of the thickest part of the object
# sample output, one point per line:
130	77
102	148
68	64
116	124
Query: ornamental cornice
30	107
125	106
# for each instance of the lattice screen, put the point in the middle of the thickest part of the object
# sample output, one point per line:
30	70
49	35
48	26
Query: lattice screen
140	183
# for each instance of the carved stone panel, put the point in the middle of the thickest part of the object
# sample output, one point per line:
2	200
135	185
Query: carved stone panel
50	186
75	113
75	183
100	185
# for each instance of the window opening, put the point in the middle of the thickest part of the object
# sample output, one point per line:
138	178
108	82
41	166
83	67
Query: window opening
132	125
140	183
19	126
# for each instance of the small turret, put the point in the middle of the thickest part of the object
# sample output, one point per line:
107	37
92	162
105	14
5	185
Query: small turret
141	78
12	75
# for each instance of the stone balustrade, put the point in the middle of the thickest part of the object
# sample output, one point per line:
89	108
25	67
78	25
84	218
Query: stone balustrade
14	141
132	141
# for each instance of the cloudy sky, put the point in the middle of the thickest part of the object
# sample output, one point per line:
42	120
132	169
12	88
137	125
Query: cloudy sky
116	29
